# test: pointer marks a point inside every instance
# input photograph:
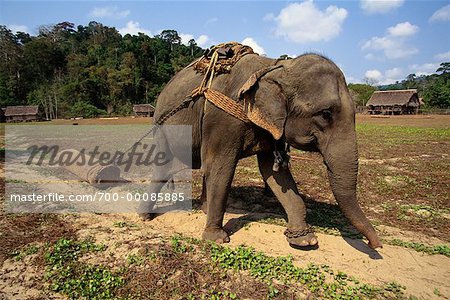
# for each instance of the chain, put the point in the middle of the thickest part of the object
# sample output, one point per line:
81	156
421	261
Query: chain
291	234
182	105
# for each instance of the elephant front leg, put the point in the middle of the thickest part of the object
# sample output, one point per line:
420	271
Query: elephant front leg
298	233
218	176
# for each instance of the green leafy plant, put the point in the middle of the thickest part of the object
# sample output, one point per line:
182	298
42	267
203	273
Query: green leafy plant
85	110
75	279
419	247
178	245
320	280
28	250
135	259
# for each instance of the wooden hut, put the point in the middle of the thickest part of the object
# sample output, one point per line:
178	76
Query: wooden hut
395	102
143	110
21	113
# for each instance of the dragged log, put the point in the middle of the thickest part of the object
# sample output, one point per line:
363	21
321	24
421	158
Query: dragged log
93	174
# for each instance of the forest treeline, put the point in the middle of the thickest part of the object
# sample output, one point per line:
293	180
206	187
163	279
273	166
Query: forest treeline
88	70
93	70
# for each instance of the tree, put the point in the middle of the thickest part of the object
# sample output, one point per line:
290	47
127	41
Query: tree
23	37
285	56
410	82
10	56
170	36
370	81
438	93
192	44
361	93
67	65
6	96
46	96
444	68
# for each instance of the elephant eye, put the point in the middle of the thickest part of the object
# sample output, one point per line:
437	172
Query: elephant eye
326	114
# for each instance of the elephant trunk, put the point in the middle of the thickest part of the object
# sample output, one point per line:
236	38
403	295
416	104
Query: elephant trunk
341	159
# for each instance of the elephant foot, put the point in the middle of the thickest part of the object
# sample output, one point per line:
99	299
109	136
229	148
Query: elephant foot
301	237
375	245
147	216
217	235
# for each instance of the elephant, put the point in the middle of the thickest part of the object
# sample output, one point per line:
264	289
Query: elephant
303	102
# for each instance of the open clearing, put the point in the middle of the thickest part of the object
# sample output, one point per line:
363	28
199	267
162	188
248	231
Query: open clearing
404	186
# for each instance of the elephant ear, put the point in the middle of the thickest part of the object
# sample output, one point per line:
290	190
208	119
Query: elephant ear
264	102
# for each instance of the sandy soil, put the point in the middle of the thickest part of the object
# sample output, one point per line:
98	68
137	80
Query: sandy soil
420	273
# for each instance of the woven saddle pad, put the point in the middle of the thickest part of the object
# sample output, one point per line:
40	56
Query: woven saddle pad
229	55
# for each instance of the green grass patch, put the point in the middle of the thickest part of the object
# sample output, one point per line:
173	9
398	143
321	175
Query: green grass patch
76	279
401	132
323	282
419	212
419	247
26	251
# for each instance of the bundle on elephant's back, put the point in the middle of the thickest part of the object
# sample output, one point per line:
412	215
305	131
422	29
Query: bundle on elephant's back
93	174
229	54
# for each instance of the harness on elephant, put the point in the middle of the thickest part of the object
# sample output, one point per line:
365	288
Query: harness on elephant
217	60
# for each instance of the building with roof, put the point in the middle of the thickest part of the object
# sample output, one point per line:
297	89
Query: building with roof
143	110
21	113
394	102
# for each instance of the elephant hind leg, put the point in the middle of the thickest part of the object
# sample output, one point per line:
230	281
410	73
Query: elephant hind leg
298	233
146	209
218	178
161	175
219	172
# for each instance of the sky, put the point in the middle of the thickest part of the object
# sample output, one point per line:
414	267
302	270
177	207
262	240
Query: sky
382	41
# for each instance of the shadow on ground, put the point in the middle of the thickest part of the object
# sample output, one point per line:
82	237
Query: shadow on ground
258	205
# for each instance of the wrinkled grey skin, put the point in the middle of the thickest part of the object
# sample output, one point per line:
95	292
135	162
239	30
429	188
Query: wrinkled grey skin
308	99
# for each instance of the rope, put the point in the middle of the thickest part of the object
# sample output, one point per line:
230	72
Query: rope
215	97
227	104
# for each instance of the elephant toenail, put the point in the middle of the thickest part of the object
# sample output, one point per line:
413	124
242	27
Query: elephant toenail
304	243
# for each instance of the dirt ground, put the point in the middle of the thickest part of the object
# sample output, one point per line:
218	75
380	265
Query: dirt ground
433	121
404	186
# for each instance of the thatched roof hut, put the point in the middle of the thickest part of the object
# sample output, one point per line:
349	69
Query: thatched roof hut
22	113
143	110
394	102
